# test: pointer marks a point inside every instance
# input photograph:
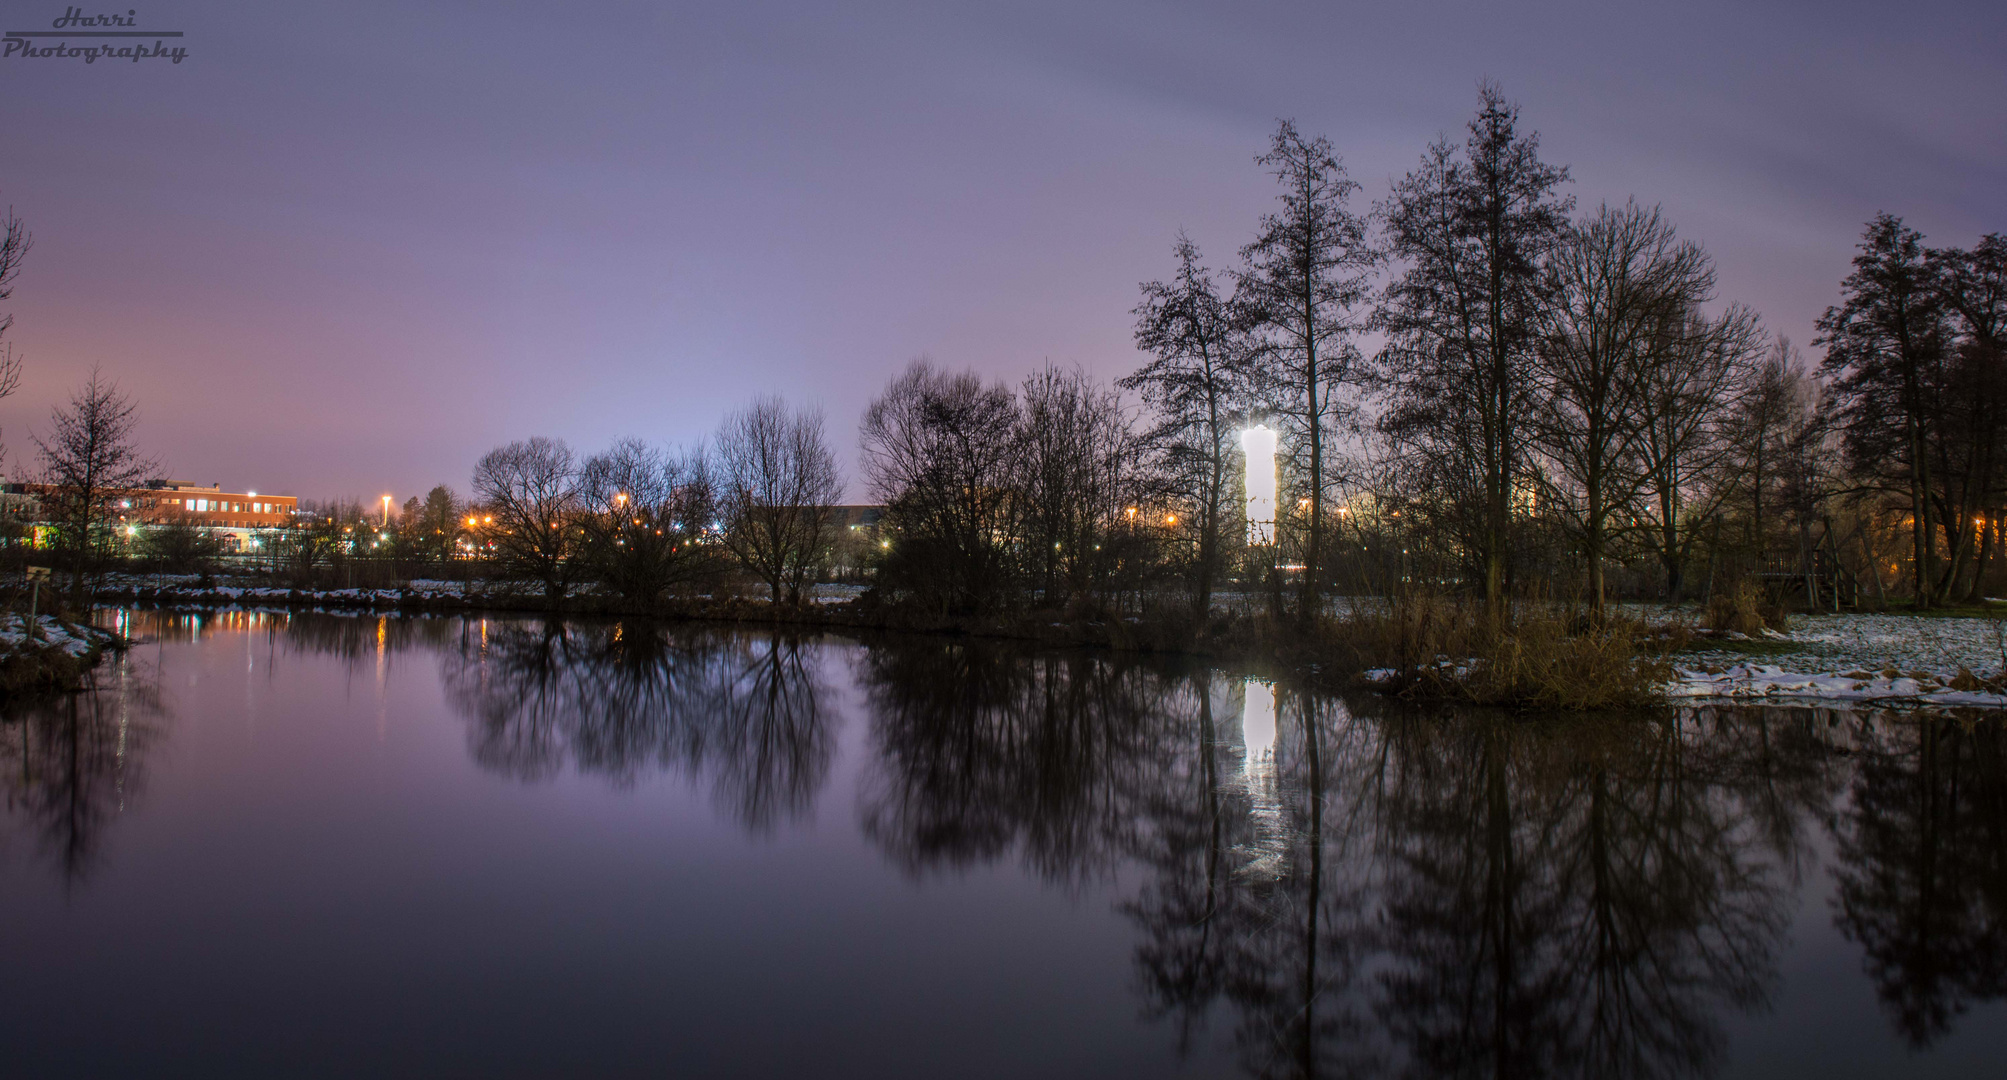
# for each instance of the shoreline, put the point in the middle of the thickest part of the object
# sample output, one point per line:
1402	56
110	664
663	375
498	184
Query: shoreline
1240	640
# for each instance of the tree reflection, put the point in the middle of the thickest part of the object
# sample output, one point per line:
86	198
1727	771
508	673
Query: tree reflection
1922	874
1469	895
69	765
1283	881
743	712
984	751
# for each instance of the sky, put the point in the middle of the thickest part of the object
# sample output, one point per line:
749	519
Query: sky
343	249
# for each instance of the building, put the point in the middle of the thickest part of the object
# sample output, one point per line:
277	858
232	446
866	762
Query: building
178	502
231	516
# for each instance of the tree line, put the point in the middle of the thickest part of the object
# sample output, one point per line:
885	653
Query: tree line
1557	402
1478	386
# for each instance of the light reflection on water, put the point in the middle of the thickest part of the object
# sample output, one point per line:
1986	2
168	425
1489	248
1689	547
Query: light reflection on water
1066	863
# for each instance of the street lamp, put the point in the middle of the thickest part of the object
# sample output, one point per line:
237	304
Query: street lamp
386	511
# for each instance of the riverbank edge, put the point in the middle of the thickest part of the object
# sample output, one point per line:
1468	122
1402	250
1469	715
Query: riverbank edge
1254	644
57	658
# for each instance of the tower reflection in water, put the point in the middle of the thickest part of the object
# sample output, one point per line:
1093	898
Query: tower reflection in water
1339	887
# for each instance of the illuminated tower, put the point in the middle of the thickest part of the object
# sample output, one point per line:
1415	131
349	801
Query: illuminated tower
1258	443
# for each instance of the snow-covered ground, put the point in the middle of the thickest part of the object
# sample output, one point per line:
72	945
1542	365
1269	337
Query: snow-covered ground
1848	642
1883	658
49	633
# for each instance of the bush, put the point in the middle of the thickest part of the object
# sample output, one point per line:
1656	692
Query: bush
1539	655
1745	609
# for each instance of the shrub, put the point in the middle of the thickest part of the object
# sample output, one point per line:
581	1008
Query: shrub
1745	609
1538	655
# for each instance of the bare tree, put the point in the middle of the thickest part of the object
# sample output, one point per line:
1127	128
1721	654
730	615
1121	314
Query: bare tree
90	464
531	489
646	516
15	241
1307	272
1461	320
14	244
1196	385
941	451
778	487
1622	286
1075	471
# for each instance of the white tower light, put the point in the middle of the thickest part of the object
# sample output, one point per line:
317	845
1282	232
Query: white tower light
1258	443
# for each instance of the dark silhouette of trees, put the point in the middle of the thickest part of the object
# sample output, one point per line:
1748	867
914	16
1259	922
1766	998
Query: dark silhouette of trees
777	484
1308	272
1886	350
1686	443
1197	384
1624	291
15	240
1975	415
89	463
531	489
644	513
1075	470
1471	230
940	452
430	530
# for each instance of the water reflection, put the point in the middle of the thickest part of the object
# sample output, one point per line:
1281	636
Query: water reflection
72	763
1329	886
1923	869
1372	893
986	753
743	713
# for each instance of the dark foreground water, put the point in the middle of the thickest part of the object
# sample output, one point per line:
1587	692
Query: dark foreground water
334	846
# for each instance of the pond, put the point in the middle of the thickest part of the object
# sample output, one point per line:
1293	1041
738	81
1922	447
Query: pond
317	845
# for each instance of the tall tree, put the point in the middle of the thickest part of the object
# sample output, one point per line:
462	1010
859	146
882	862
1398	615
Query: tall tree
1472	229
1975	412
530	488
1623	286
89	463
941	453
1885	349
1075	469
1686	439
778	490
1195	385
1307	272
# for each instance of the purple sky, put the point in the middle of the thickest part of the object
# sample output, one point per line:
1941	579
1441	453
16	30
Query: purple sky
343	249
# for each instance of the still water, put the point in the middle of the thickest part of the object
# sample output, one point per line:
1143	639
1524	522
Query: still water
330	846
